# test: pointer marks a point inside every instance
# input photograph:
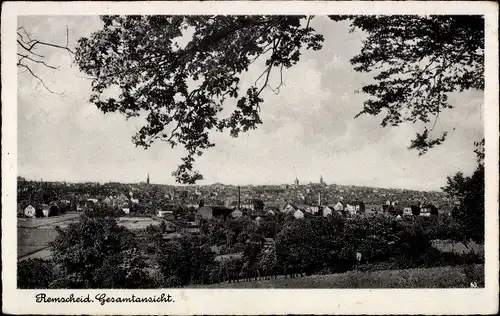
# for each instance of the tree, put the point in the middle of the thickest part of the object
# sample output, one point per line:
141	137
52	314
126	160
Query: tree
469	191
418	61
183	88
28	54
258	204
35	274
185	261
97	253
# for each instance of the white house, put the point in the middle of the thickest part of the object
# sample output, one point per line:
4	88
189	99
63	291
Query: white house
327	211
45	210
135	201
305	208
339	206
126	210
298	214
351	209
30	211
236	214
314	209
407	211
164	213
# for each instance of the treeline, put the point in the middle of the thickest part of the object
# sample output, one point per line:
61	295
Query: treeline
97	253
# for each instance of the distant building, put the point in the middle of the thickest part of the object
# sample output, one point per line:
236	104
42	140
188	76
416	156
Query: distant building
30	211
208	212
407	211
289	208
45	210
339	206
298	214
165	213
305	208
236	214
321	180
326	211
428	210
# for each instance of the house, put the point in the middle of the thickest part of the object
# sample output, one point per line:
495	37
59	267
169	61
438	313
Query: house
234	204
339	206
407	211
45	210
30	211
207	212
165	213
126	210
270	213
314	209
289	208
135	201
428	210
326	211
351	209
304	208
236	214
258	220
298	214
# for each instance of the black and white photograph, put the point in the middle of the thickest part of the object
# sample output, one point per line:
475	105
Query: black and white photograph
251	151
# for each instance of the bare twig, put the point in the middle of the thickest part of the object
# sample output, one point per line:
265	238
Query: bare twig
35	61
40	81
29	45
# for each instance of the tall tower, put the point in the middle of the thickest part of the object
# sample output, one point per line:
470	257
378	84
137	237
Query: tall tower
239	198
147	179
321	181
296	181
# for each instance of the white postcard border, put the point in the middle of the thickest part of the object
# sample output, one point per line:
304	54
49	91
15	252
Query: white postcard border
254	301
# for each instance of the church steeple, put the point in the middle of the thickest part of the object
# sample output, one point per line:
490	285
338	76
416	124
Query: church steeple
147	179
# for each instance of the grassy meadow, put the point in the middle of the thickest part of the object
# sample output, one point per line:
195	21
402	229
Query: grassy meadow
439	277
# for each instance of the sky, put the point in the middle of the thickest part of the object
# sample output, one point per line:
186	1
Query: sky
308	129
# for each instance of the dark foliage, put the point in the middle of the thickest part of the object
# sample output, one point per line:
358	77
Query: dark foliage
416	61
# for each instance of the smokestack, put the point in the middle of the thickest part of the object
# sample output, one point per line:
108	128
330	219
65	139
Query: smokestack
239	200
319	199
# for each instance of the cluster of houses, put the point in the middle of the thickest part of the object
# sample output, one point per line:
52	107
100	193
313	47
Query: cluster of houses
40	210
353	208
342	208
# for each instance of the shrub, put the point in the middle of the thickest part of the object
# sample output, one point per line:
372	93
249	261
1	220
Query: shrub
35	274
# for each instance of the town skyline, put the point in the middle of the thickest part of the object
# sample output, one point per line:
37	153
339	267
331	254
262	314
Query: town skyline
291	184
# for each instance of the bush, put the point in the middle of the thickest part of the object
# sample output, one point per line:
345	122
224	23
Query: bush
35	274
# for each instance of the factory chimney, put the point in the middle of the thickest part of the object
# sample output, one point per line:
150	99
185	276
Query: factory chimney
239	198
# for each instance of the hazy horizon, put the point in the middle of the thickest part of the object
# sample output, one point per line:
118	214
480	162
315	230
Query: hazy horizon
308	129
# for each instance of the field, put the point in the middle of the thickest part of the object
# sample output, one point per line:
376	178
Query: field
440	277
33	235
